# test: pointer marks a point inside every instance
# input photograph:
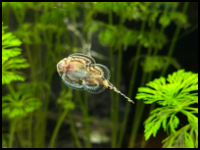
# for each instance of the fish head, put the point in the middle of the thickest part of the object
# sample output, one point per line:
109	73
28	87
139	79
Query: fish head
62	66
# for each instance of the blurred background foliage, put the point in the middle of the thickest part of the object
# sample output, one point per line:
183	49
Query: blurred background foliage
135	40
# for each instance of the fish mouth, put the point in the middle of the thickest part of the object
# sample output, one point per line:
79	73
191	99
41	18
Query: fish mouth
59	65
59	68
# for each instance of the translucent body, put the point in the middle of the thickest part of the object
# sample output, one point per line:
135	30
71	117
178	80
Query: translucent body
80	72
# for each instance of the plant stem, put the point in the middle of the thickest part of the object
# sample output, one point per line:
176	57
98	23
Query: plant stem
5	16
140	105
115	101
28	51
86	119
112	100
13	123
30	129
86	100
139	109
18	17
174	40
50	59
118	77
149	78
14	120
56	129
11	90
73	130
133	76
169	55
21	140
114	128
48	44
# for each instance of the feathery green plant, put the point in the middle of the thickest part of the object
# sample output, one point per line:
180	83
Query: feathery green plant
112	33
9	59
175	94
15	104
65	101
20	105
42	28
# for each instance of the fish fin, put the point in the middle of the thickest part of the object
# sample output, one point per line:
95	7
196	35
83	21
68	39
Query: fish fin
105	72
95	88
75	86
112	87
89	60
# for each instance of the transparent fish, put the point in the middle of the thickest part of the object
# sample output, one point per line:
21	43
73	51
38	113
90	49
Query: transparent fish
80	72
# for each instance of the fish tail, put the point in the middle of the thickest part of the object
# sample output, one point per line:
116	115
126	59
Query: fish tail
112	87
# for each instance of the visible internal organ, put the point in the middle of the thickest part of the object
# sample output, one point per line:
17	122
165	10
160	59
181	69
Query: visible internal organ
80	72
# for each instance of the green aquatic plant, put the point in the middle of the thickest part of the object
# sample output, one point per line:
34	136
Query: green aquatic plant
65	101
154	63
153	39
10	61
45	27
20	105
175	94
51	31
15	104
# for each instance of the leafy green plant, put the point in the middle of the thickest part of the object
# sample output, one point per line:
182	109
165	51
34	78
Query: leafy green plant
46	28
154	63
154	39
175	94
20	105
9	60
51	31
65	101
15	104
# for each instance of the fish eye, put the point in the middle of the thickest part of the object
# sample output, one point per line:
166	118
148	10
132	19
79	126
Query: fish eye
59	65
